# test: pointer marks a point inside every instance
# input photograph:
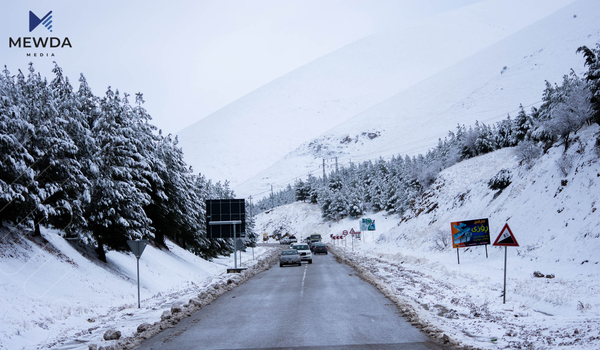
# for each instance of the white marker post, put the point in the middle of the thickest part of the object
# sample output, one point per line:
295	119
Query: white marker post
137	247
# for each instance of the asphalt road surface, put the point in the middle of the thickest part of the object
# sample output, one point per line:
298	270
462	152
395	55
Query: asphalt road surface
322	305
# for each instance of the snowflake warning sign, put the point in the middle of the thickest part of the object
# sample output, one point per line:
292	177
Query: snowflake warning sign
506	238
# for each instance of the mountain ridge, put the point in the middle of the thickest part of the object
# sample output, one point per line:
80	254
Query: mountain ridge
485	87
260	128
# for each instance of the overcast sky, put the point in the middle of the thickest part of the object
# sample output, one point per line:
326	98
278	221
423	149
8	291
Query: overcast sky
190	58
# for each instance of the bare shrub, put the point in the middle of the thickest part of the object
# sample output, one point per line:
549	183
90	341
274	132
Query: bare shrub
528	152
565	163
441	240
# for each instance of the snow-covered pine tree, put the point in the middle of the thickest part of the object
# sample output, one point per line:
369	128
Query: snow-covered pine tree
484	142
71	200
120	190
180	216
16	174
592	76
57	172
300	190
522	126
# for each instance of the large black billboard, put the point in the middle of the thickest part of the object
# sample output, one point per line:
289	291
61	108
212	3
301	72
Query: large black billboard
222	211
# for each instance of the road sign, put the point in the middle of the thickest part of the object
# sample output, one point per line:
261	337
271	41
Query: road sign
137	247
367	224
506	238
345	232
225	211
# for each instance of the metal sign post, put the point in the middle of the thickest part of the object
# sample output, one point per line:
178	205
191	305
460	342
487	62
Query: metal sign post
232	223
505	239
137	247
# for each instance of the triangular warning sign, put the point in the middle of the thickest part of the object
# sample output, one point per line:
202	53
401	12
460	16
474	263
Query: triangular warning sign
506	238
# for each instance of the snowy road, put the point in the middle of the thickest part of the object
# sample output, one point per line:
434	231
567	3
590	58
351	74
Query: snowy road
324	304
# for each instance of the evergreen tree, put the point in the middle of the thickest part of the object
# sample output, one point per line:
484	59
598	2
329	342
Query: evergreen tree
521	127
592	61
120	190
16	174
57	172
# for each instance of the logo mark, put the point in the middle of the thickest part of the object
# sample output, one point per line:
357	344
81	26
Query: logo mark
35	21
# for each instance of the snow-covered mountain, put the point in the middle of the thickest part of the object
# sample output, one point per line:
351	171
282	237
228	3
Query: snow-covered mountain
253	133
485	86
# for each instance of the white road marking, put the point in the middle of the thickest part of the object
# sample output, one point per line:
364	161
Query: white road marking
303	278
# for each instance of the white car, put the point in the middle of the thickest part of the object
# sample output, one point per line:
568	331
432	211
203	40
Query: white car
304	251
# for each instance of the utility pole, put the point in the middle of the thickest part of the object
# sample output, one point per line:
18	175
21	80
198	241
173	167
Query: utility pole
336	165
323	171
272	198
250	199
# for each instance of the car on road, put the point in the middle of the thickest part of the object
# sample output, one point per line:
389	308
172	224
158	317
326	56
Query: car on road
293	239
304	251
289	257
284	240
319	248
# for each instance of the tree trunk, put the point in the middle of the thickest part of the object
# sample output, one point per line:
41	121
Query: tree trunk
101	253
37	232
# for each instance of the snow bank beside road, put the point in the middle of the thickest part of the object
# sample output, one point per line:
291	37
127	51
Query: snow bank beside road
53	295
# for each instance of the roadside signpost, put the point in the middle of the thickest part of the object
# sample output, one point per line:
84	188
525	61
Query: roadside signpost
137	247
366	225
354	235
470	233
224	217
505	239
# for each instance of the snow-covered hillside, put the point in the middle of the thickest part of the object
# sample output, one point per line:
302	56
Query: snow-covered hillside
254	132
485	86
58	295
554	217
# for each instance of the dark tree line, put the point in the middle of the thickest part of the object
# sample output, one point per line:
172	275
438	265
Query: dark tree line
394	185
95	168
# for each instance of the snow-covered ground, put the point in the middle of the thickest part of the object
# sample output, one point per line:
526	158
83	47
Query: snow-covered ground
54	295
554	218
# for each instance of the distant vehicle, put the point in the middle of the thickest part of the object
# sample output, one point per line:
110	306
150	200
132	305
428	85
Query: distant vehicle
289	257
293	239
284	240
315	237
319	248
304	251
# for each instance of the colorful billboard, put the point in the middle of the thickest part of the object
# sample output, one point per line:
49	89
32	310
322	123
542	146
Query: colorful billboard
470	233
367	225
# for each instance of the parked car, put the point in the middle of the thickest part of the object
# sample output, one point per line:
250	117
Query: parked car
319	248
304	251
289	257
